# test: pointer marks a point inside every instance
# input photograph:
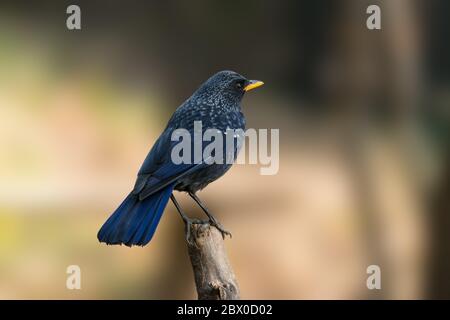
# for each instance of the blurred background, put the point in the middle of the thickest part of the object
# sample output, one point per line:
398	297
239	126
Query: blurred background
364	151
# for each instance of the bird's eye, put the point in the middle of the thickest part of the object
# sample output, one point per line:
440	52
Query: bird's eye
239	85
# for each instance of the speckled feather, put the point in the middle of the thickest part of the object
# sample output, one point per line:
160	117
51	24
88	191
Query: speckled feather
217	105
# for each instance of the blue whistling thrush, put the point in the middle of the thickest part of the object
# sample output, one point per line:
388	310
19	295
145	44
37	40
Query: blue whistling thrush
217	104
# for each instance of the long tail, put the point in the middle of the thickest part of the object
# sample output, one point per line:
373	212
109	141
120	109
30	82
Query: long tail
134	222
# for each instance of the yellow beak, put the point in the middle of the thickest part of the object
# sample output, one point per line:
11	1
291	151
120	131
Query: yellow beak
253	84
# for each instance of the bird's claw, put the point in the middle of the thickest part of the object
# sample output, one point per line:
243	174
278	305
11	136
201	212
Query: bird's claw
212	222
219	227
187	231
187	228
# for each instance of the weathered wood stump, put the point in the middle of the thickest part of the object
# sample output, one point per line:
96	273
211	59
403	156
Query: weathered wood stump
214	277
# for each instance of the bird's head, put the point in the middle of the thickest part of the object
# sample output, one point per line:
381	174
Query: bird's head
229	85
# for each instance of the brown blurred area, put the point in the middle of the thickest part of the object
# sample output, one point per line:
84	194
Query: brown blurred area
364	149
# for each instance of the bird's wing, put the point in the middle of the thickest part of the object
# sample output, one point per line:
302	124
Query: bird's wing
168	174
158	169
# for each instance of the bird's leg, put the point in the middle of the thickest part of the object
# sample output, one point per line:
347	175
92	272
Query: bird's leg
187	221
212	220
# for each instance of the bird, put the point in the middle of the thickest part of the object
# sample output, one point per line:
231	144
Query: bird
217	104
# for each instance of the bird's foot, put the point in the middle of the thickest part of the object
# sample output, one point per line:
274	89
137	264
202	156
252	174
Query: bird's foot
188	228
212	222
218	226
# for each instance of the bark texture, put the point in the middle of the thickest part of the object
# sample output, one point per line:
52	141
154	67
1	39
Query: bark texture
214	277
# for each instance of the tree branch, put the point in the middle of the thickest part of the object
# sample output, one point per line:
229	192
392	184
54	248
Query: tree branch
214	277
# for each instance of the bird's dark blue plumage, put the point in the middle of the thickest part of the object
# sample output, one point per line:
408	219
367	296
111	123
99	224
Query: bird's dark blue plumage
216	103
